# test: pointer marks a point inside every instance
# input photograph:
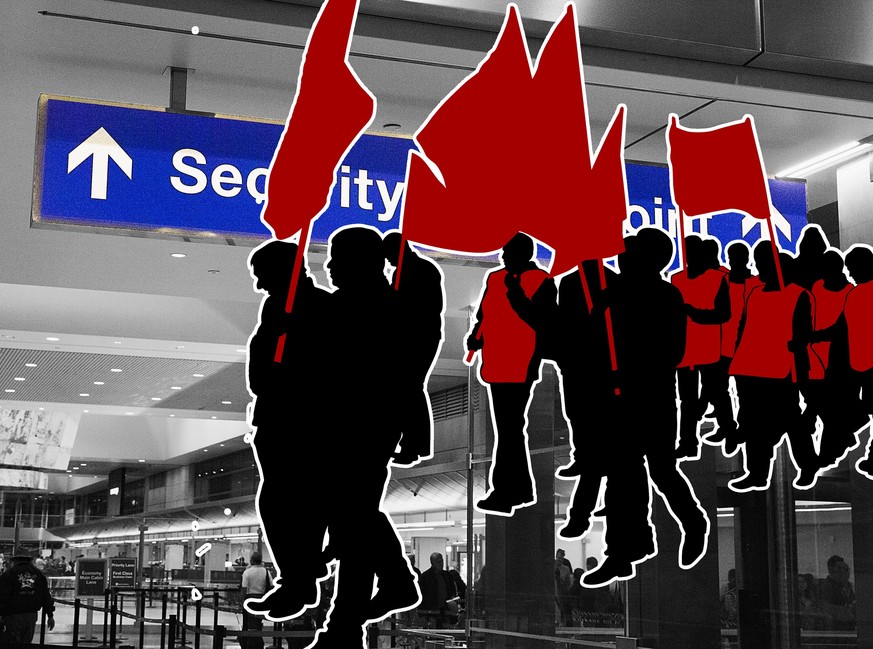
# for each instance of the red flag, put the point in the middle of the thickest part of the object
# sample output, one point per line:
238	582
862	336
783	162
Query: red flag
717	169
509	150
331	109
582	204
465	195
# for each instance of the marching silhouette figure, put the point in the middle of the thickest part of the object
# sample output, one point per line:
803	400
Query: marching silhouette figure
705	291
740	282
647	411
421	301
829	394
859	314
770	361
365	428
516	312
284	450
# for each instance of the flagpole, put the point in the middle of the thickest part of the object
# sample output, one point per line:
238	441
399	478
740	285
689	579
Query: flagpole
608	316
775	254
681	217
303	243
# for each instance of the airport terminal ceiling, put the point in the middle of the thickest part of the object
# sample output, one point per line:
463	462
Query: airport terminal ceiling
123	302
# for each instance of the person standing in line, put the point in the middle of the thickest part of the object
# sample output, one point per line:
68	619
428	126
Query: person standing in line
256	581
24	592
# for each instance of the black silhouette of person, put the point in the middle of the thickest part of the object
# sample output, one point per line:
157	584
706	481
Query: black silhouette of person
647	386
858	313
421	300
829	394
516	313
283	378
365	429
740	282
770	363
590	402
706	294
581	351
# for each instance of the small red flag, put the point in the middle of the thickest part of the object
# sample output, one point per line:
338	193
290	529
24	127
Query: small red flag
717	169
331	109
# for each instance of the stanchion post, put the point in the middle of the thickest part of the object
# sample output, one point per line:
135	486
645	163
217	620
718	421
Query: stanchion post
105	618
77	609
277	639
218	637
142	616
120	600
197	624
215	598
171	636
113	611
163	620
184	624
42	630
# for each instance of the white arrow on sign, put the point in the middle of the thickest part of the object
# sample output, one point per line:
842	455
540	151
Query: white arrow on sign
102	146
778	219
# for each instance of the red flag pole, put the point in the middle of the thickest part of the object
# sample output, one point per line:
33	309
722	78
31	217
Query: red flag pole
586	290
292	286
399	262
608	316
775	254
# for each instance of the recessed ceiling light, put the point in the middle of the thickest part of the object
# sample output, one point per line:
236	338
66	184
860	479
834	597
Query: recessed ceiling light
30	365
82	411
221	445
44	409
206	450
83	464
19	378
172	415
142	460
180	346
75	468
115	369
68	471
156	398
215	417
226	403
99	383
242	351
178	255
116	342
128	413
84	394
175	387
52	339
199	376
9	390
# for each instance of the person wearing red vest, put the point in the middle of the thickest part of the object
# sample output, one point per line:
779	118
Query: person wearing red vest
704	289
740	283
829	395
769	363
858	313
516	312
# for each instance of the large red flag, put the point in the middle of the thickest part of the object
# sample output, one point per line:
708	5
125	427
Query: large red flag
331	109
717	169
465	195
581	202
509	150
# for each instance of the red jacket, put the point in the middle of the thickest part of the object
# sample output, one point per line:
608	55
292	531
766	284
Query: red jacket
828	306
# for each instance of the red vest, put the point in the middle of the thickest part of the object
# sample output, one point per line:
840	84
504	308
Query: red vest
702	341
828	306
763	349
859	316
729	330
508	341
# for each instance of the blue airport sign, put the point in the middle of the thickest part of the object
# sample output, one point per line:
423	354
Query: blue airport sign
138	168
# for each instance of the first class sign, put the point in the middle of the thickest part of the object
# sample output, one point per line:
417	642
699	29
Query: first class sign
123	168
